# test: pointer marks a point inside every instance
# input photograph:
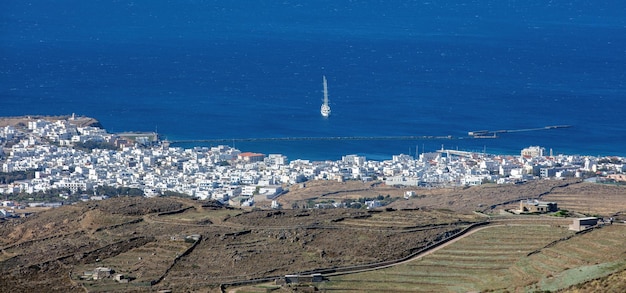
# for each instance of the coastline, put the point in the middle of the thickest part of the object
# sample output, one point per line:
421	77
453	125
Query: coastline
387	146
80	121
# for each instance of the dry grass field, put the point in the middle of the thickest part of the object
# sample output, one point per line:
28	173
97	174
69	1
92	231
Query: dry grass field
486	198
144	263
141	238
573	195
501	258
614	283
337	191
591	198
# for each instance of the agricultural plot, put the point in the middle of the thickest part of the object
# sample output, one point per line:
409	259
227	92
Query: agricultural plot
514	258
580	259
142	264
479	262
145	240
407	219
198	216
590	198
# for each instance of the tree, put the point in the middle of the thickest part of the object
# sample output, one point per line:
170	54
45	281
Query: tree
356	205
10	177
176	194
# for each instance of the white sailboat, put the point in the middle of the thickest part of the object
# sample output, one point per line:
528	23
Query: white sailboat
325	109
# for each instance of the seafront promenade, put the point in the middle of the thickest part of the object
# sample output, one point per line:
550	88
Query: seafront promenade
49	149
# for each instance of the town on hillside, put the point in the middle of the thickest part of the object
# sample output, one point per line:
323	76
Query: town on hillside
79	162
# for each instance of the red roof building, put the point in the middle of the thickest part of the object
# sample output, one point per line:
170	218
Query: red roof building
251	157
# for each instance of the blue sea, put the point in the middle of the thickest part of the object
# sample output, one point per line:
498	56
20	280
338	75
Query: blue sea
193	69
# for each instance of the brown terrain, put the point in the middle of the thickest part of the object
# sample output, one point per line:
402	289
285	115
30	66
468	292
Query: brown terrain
571	194
150	241
22	121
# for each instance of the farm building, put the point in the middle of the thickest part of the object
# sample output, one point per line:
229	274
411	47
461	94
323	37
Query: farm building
583	223
98	273
121	278
535	206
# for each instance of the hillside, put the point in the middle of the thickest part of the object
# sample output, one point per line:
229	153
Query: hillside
22	121
187	245
145	239
572	194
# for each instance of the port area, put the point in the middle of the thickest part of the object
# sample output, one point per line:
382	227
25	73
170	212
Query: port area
471	134
496	133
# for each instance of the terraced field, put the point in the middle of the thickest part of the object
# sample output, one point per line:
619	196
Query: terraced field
144	263
590	198
405	219
582	258
500	258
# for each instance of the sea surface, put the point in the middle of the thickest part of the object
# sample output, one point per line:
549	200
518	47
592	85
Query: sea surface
193	70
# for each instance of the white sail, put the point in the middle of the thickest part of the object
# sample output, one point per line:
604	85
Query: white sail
325	109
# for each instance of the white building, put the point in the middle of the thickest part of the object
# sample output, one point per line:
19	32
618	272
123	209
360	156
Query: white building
533	151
